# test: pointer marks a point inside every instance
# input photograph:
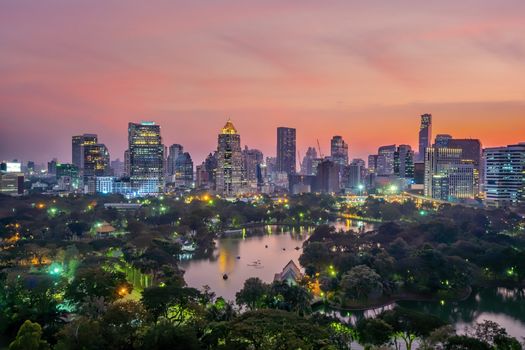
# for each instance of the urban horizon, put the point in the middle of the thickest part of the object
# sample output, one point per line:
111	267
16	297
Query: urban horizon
362	71
268	150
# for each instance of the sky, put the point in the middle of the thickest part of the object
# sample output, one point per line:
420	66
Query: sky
364	70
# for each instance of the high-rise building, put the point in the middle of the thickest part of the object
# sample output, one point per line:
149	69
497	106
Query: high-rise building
372	163
184	171
404	162
118	168
175	151
230	180
425	135
146	158
11	179
52	166
352	177
385	160
127	166
339	150
251	159
505	175
94	162
76	147
471	152
286	150
438	164
327	177
211	168
202	177
442	140
307	164
461	182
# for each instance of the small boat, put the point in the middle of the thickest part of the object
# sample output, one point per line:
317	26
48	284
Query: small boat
225	277
297	248
266	246
238	257
284	248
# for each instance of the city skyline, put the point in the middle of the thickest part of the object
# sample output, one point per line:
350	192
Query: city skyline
86	68
268	151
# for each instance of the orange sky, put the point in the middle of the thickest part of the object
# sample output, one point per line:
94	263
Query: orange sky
364	70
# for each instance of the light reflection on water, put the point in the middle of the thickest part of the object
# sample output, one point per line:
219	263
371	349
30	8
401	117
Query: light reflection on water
505	306
263	252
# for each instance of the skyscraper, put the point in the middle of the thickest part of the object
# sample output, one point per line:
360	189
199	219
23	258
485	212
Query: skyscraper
442	140
175	151
385	160
307	164
471	152
94	163
229	162
146	158
76	147
425	135
404	162
286	150
183	171
438	164
327	177
251	159
505	175
339	150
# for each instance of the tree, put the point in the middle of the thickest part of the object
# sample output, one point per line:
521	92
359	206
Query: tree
289	297
410	325
360	281
253	293
29	337
315	254
373	331
463	342
165	335
82	333
487	331
95	282
174	302
273	330
122	323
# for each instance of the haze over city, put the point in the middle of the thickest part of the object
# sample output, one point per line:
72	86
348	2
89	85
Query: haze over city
365	71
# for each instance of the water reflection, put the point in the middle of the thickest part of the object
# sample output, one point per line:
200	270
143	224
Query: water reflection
501	305
272	247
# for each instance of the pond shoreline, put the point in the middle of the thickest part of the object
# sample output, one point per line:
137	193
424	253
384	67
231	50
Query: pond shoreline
391	300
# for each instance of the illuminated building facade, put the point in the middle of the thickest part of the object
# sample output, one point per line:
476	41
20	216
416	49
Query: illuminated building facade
229	174
404	162
439	162
385	160
339	151
286	150
425	135
95	162
146	159
252	159
76	147
505	175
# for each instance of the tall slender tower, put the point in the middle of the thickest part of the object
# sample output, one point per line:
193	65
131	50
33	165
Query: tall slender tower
77	142
339	150
425	135
146	158
229	175
286	150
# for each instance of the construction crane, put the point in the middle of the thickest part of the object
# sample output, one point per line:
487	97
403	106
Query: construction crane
319	147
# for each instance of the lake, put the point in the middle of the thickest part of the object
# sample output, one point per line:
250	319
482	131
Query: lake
504	306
